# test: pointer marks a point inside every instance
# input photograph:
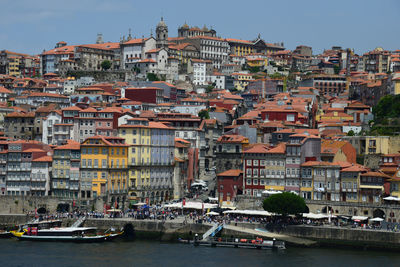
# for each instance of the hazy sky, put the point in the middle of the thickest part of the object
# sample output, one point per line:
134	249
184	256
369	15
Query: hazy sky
29	26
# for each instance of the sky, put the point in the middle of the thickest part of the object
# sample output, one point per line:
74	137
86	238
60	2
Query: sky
31	26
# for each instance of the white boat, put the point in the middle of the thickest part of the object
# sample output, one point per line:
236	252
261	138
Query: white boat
65	234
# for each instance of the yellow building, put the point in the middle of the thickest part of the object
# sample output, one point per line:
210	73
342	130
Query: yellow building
396	82
334	116
13	66
257	60
241	80
377	145
241	47
395	184
151	159
104	167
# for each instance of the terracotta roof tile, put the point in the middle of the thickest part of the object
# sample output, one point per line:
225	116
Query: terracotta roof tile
230	173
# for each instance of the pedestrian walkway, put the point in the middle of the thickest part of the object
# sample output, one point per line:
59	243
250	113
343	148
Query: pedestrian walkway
286	238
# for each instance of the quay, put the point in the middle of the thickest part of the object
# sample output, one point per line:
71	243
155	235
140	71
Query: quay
293	235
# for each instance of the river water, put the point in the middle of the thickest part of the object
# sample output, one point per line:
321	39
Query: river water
153	253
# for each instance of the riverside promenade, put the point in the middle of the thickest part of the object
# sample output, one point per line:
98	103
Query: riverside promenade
166	230
182	227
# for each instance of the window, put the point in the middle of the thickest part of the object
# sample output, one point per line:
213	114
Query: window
248	181
255	181
255	172
248	172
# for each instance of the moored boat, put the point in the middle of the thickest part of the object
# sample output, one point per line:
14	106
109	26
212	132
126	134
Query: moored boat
257	243
65	234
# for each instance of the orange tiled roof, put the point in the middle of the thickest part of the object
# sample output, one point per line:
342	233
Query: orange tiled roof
230	173
257	148
17	114
4	90
375	174
232	139
43	159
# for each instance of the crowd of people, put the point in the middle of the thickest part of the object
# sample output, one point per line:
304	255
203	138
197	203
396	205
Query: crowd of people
271	223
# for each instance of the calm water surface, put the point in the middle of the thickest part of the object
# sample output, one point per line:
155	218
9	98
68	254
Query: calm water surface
143	253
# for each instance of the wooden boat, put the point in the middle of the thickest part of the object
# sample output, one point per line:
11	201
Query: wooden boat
65	234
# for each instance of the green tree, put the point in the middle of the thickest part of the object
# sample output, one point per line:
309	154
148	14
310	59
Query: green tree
106	64
254	69
285	203
152	77
210	87
336	69
350	133
204	114
276	75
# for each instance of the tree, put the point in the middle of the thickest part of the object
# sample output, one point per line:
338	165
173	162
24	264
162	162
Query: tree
336	69
254	69
285	203
152	77
386	116
204	114
210	87
350	133
276	75
106	64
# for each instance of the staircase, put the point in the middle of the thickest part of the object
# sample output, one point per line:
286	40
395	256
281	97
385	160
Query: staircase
213	231
79	222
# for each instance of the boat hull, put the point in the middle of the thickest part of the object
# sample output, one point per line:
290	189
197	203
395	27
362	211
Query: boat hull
76	239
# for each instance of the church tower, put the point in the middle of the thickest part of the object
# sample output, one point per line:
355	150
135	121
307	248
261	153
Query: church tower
162	34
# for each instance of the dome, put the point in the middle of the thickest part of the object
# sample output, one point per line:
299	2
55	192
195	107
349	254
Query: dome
161	23
205	29
185	26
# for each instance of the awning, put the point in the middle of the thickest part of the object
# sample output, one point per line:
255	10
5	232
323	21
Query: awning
212	213
360	218
249	212
376	219
140	204
391	198
318	216
270	192
372	187
191	205
114	210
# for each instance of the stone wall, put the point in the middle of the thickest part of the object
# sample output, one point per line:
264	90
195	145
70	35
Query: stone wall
334	236
103	76
25	204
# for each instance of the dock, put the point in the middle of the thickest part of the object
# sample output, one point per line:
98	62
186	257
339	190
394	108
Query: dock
288	239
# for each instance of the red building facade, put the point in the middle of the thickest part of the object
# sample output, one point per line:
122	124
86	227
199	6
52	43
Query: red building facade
230	184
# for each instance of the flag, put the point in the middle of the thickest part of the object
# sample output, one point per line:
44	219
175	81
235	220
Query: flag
116	204
183	202
35	212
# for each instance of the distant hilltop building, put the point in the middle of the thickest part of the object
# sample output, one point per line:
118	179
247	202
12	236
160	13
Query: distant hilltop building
186	31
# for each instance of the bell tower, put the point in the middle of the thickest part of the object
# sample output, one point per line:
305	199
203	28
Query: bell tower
162	34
